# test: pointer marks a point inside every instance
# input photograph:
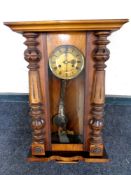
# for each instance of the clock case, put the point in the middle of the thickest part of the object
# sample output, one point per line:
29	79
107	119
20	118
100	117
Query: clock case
84	96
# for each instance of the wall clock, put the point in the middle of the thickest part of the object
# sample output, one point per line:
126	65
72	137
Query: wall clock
67	87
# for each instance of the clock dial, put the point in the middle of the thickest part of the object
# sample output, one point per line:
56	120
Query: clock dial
66	62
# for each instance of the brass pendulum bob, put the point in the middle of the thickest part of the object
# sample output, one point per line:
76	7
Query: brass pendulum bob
61	119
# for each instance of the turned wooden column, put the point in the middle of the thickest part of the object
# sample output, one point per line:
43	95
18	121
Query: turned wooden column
100	55
33	56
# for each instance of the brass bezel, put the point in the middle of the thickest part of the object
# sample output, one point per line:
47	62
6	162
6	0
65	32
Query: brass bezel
65	46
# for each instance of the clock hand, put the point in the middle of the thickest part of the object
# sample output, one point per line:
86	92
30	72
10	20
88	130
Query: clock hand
73	61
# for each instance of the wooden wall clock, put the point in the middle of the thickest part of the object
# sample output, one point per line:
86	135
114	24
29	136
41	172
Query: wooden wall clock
67	87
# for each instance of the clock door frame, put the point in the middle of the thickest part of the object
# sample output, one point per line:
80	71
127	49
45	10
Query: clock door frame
88	78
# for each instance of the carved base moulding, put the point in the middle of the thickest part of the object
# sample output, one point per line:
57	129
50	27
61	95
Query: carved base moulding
67	87
68	157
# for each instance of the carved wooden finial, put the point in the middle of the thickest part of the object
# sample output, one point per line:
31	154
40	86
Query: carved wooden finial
32	54
101	52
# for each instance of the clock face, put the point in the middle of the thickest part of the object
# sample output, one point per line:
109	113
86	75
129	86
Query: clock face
66	62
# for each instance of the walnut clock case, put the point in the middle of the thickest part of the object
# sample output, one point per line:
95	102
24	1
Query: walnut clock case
67	87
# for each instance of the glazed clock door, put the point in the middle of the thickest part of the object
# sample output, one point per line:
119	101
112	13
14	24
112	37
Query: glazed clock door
66	78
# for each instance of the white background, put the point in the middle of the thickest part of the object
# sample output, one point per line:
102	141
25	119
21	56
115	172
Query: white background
13	71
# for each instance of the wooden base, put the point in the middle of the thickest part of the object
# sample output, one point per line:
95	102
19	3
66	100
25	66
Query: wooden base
68	157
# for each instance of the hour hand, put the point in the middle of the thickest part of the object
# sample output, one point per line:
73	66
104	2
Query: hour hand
72	62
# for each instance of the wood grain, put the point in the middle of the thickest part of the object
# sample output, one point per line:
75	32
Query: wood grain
100	55
33	56
89	73
67	147
43	73
74	97
69	157
72	25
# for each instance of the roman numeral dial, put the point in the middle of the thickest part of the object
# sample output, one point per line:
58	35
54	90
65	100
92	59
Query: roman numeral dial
66	62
